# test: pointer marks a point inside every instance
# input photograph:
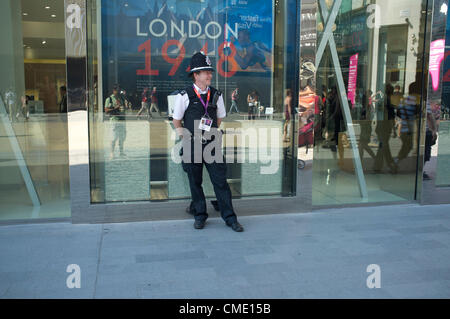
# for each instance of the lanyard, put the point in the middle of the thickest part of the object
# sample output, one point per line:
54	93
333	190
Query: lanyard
205	105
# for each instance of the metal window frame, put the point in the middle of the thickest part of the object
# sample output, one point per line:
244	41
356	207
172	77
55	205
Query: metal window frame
426	194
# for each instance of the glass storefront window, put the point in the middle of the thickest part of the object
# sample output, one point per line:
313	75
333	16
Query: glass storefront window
139	57
34	171
436	177
370	56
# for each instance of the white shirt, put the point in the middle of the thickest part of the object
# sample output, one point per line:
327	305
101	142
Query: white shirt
182	103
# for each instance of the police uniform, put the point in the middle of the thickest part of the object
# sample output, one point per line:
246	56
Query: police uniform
189	108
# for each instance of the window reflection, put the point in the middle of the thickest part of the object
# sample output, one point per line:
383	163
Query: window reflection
144	49
366	148
34	173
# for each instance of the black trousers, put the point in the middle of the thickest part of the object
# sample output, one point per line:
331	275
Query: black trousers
218	175
428	144
407	144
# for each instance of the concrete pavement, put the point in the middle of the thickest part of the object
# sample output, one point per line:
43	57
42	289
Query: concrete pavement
322	254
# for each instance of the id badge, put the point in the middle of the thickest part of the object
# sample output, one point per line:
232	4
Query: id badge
205	124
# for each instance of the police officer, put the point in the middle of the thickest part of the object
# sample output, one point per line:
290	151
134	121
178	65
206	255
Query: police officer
198	112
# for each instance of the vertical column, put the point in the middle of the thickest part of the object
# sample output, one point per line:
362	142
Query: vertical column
307	60
75	18
291	43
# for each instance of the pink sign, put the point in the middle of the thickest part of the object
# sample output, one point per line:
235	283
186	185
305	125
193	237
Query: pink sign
353	75
437	49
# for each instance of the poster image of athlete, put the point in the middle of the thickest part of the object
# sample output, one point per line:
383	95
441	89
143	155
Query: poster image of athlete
250	54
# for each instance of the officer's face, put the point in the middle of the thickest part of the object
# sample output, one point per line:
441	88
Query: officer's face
204	77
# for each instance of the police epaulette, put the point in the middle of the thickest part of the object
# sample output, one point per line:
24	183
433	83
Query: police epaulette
183	92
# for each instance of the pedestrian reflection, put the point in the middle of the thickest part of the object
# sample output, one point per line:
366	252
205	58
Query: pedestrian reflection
115	108
384	128
407	111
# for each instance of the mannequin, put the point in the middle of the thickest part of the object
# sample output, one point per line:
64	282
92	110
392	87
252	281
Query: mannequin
10	97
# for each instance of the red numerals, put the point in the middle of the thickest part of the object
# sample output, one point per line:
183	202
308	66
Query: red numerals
148	60
229	58
175	61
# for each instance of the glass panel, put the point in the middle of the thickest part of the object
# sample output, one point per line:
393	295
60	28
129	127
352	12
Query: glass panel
144	49
34	172
443	117
370	56
436	177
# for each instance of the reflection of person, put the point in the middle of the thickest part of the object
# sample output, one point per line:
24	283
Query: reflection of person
253	51
191	106
234	98
370	100
251	100
10	99
395	100
258	106
63	102
115	107
383	130
336	116
154	102
396	96
126	100
430	137
407	111
366	128
144	104
287	112
356	110
25	108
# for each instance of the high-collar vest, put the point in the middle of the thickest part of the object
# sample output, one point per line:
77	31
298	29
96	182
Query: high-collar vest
196	110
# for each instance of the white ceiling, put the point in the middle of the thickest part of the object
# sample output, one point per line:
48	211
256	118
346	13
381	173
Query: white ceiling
36	10
38	25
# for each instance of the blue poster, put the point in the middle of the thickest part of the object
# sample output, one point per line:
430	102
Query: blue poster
149	43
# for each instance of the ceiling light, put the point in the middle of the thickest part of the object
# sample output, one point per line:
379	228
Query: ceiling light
53	15
25	14
44	42
47	7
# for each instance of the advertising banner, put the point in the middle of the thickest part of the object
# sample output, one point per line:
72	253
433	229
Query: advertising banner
352	77
150	43
437	49
446	74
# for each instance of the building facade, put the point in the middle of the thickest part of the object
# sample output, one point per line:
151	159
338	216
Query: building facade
329	104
